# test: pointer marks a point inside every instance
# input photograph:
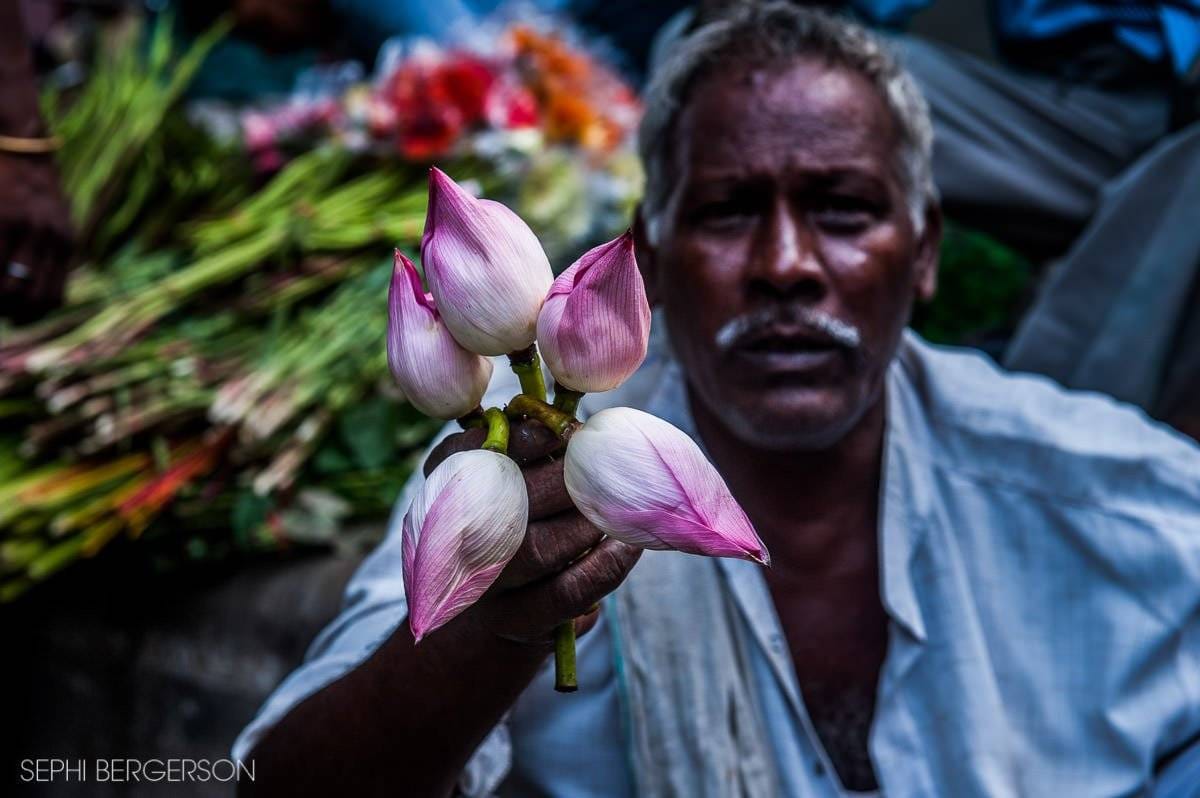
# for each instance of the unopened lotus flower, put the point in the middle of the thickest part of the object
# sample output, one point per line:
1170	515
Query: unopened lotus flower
645	482
462	529
486	269
595	324
437	375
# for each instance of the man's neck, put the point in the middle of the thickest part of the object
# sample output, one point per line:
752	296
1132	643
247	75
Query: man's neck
815	510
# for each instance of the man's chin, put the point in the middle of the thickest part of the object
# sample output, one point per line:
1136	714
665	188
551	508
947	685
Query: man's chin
810	419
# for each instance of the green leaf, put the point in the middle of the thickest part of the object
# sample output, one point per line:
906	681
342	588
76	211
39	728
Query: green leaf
369	432
981	284
330	459
249	513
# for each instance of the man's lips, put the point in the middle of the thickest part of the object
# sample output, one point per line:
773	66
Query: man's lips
788	349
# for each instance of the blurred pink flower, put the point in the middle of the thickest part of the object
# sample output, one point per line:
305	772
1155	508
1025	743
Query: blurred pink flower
510	106
259	131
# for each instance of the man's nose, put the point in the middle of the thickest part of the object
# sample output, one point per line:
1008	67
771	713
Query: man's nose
787	260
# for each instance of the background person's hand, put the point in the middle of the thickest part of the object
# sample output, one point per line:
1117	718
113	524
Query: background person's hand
35	221
35	237
564	566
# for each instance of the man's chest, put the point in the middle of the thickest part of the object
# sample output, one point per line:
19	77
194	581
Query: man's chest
836	630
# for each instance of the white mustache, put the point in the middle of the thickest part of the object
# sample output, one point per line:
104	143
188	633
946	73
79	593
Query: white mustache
732	331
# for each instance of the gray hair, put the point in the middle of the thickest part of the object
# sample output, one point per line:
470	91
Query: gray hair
768	32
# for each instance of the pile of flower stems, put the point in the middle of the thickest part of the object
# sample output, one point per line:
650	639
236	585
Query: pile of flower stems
108	125
155	377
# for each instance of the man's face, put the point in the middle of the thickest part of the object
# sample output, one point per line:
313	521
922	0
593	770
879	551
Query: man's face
786	259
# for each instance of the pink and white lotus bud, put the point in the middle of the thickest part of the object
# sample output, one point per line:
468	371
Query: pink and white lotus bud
462	529
486	269
595	324
437	375
645	482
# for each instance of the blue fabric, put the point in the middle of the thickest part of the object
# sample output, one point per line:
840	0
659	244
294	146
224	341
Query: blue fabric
1040	555
432	18
239	71
889	13
1157	31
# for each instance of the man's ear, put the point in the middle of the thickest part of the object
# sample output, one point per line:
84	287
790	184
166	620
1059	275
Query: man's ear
647	255
928	249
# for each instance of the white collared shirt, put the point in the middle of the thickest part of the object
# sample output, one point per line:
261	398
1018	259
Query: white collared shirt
1040	567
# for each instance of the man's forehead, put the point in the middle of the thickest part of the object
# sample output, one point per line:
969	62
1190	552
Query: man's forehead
803	112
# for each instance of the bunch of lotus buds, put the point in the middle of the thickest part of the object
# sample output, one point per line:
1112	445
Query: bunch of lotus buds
632	475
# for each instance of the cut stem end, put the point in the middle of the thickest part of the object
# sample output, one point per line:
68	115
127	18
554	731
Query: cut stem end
565	680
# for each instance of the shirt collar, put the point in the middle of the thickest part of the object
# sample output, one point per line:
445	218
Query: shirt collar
904	497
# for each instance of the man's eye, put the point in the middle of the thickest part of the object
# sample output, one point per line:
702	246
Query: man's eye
845	214
720	215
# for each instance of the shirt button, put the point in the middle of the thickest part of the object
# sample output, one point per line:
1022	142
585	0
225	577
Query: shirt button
818	768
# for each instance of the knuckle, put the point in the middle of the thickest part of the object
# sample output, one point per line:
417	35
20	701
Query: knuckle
608	569
613	564
576	591
536	554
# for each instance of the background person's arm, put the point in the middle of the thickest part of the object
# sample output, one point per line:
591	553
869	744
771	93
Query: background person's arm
407	719
35	228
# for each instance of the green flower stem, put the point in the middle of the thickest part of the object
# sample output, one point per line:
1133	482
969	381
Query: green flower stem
532	403
475	418
565	680
566	399
528	367
525	405
559	420
497	431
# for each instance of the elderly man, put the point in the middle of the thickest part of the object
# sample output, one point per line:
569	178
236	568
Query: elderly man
983	585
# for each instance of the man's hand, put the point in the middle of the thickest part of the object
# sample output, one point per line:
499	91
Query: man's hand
440	699
564	566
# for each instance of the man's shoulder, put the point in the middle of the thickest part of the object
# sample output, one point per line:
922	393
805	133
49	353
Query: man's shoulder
1025	433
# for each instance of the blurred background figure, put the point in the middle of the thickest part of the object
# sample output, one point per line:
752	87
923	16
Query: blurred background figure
35	230
1082	147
